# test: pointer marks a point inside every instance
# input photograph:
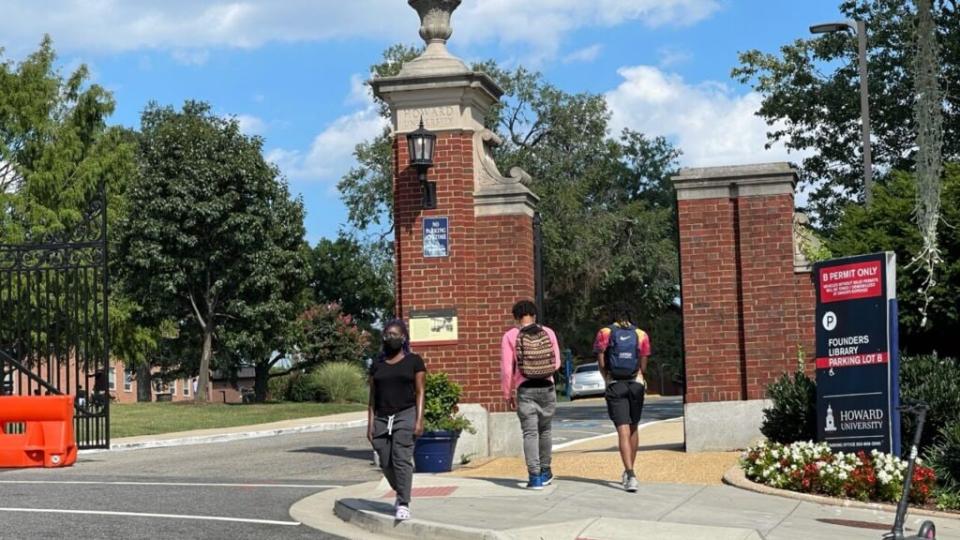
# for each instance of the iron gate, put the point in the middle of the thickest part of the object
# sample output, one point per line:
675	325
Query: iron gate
53	323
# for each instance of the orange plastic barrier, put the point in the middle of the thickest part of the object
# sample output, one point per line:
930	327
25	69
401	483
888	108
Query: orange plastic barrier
47	441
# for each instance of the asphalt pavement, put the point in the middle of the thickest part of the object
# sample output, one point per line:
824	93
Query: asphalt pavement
236	490
239	489
583	418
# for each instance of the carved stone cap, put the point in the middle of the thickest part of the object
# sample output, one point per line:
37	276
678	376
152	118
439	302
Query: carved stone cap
777	178
435	29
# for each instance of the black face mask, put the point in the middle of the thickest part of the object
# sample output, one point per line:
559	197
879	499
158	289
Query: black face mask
392	345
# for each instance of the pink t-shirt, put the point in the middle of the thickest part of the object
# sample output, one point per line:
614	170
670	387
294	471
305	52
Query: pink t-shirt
510	377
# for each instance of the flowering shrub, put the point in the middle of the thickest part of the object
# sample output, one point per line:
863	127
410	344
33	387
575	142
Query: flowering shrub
813	468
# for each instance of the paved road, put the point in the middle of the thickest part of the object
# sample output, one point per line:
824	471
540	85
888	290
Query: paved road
236	490
588	417
199	489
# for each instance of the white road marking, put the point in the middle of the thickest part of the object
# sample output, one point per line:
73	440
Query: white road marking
614	434
141	514
175	484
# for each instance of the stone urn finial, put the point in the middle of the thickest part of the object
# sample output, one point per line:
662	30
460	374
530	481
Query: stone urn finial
435	30
435	18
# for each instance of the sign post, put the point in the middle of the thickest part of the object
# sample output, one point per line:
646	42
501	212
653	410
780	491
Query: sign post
857	362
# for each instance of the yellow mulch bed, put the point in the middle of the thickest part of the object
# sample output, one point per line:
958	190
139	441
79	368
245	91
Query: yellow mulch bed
661	459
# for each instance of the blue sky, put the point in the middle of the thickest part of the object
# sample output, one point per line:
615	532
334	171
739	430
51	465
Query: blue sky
292	71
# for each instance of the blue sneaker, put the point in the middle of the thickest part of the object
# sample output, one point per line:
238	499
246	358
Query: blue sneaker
536	482
546	477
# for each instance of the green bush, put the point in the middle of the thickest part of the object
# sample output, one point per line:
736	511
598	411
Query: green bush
944	457
793	415
440	409
340	382
948	500
935	381
301	387
277	388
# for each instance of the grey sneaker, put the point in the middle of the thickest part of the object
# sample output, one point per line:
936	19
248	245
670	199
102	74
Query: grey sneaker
631	485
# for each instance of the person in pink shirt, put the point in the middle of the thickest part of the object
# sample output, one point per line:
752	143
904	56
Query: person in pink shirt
529	356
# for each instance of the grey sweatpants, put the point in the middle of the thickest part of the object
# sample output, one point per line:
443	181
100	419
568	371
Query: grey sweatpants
535	407
394	447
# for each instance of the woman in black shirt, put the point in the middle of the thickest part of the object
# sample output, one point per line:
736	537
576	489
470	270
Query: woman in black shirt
395	411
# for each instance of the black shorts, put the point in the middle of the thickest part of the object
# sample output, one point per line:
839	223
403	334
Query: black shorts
625	402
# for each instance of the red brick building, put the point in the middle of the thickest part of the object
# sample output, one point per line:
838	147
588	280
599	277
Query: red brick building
119	382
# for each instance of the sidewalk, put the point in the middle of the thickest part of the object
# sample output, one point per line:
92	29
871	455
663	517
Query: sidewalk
215	435
587	503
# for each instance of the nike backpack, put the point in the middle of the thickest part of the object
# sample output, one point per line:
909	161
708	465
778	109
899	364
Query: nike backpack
621	356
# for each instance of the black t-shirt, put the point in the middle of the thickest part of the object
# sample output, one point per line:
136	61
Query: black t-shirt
394	385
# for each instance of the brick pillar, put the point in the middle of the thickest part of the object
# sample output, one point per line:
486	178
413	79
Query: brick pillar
488	265
747	303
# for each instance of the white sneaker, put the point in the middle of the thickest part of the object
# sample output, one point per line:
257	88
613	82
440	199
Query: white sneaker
632	484
403	513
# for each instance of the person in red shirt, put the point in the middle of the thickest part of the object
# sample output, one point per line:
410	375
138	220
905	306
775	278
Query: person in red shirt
622	351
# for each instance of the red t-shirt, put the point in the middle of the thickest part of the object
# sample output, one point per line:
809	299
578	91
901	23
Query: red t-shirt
603	338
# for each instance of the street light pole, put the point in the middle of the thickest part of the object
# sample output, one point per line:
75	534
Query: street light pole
865	114
860	28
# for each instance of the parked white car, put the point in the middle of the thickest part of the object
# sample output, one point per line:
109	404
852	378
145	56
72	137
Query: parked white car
587	381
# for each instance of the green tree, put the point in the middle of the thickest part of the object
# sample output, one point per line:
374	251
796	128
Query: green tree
888	225
326	333
56	151
57	155
820	113
357	276
263	328
212	234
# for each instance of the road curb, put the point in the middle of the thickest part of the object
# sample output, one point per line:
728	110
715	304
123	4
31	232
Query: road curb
228	437
351	511
735	477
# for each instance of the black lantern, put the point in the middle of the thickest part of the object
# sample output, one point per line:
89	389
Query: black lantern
421	144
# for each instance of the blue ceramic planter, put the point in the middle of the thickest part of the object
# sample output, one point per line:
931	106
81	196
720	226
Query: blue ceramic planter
434	451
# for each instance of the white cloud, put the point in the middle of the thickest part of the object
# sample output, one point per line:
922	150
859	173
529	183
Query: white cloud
360	91
251	125
709	122
196	25
331	153
670	56
543	24
193	57
586	54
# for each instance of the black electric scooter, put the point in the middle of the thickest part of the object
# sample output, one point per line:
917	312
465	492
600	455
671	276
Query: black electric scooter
927	529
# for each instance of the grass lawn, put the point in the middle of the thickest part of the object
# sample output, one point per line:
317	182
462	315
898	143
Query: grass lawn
131	419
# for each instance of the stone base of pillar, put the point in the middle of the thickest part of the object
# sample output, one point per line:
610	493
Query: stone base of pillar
473	445
498	434
504	434
722	426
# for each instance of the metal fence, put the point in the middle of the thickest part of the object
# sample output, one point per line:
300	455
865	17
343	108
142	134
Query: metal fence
54	332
